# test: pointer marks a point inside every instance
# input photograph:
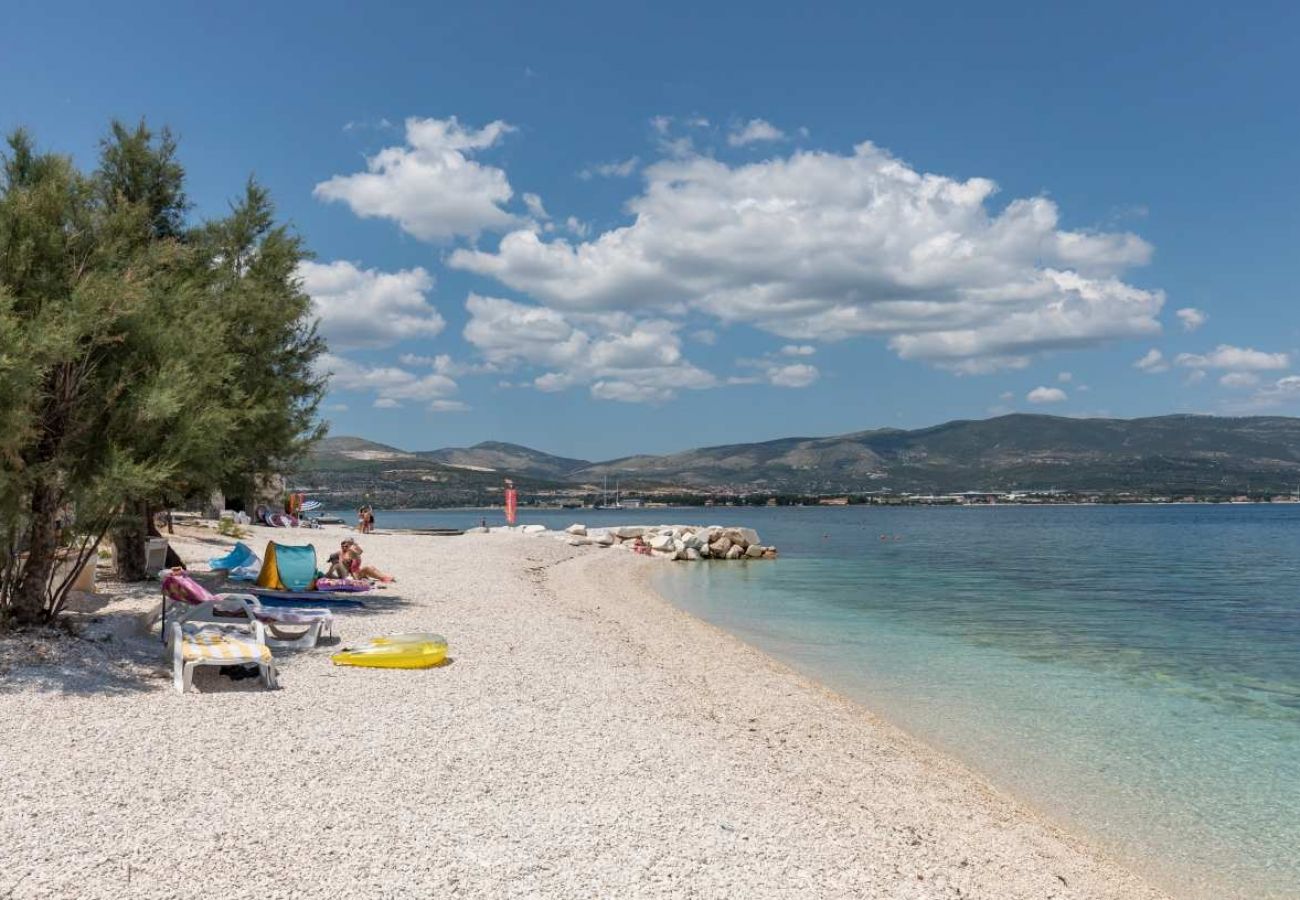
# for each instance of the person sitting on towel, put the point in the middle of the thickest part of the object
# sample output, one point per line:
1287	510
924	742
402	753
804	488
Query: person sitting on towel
351	557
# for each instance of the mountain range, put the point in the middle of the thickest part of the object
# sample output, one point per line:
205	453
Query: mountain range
1165	454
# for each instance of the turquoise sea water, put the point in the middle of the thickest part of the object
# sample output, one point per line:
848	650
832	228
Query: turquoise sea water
1132	672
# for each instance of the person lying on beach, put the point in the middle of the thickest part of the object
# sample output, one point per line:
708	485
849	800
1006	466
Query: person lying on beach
350	555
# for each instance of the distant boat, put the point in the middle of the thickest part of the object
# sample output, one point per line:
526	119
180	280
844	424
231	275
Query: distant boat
604	501
329	520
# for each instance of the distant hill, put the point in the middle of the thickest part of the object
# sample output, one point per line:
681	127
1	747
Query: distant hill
1165	454
496	456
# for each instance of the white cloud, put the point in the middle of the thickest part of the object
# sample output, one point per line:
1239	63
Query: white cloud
1284	390
617	356
1226	356
795	375
1153	362
706	336
368	308
535	207
825	246
1043	394
391	385
1194	377
1065	377
443	364
617	169
798	350
754	130
1006	395
431	187
1239	380
1191	317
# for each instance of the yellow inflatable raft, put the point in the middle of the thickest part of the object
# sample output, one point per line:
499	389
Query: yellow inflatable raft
418	650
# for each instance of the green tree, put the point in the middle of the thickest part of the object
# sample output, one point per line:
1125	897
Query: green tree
123	384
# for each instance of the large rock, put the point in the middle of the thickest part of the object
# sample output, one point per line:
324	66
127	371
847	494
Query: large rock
754	551
769	553
626	532
477	529
604	538
691	554
734	553
662	542
577	528
748	535
720	546
533	529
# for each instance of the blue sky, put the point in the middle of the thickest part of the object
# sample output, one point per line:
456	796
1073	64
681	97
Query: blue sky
607	229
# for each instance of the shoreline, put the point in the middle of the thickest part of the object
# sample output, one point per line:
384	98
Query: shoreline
588	739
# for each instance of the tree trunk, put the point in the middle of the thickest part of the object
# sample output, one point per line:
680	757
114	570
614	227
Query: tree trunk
129	543
29	600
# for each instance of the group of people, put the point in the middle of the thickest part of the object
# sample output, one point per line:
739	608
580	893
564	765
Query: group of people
365	520
347	564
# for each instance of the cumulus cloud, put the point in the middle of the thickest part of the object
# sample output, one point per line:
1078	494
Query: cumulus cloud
1284	390
618	356
822	246
431	186
391	386
1191	317
1043	394
795	375
1226	356
798	350
1153	361
617	169
1239	380
369	308
753	131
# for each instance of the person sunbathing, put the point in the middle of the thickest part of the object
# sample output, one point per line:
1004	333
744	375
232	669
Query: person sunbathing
350	556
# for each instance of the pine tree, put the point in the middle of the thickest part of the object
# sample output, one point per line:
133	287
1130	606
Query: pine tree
140	362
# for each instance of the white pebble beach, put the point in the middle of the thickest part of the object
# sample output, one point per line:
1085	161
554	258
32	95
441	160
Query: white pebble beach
587	739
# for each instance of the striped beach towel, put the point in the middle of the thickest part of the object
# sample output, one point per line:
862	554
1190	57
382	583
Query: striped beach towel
209	643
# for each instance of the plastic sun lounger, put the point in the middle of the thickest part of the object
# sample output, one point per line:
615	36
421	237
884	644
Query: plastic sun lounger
195	644
295	599
194	603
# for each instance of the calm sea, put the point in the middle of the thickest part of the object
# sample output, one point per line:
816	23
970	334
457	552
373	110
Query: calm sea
1132	672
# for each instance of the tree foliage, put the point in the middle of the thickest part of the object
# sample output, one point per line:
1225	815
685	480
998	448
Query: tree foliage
142	361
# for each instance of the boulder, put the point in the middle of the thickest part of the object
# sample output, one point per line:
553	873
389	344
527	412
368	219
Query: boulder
769	553
604	538
477	529
748	535
690	553
734	553
753	551
577	528
626	532
533	529
577	541
662	542
720	546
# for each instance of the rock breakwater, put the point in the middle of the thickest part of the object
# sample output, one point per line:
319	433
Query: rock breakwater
688	543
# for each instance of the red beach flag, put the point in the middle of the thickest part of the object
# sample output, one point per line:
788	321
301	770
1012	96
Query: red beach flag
512	503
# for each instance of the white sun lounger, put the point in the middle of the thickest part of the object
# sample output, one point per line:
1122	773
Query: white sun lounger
195	644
